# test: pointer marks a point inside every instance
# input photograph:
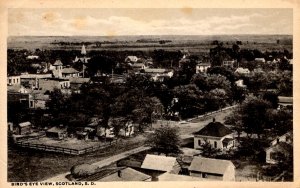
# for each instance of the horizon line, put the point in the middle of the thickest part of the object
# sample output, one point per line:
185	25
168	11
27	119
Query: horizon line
109	36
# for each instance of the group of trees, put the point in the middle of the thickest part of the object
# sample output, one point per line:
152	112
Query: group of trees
257	115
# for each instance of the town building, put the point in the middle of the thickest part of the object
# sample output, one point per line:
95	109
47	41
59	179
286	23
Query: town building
125	174
202	67
161	164
131	59
216	134
285	101
260	60
69	73
242	71
23	128
228	63
52	83
13	80
57	132
279	150
215	169
38	100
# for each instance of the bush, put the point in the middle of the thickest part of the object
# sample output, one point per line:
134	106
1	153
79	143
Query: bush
83	170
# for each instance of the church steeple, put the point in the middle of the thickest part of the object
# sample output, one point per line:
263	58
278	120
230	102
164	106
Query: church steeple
83	51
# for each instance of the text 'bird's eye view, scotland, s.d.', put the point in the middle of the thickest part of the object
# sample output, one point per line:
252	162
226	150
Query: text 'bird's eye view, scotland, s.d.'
132	94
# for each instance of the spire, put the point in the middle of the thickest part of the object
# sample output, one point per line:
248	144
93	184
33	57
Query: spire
83	51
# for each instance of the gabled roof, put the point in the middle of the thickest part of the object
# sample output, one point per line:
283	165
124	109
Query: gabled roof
78	80
138	65
57	63
109	175
281	147
209	165
57	130
215	129
159	163
283	99
25	124
69	71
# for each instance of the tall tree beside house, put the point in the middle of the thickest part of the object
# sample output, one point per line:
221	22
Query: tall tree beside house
165	140
253	115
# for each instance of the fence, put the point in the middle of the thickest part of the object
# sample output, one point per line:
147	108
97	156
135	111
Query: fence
209	114
62	149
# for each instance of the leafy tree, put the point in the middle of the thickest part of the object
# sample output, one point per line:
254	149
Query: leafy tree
253	114
285	84
190	100
272	98
165	140
208	151
57	103
215	99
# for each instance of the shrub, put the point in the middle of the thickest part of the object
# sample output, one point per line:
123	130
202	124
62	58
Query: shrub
83	170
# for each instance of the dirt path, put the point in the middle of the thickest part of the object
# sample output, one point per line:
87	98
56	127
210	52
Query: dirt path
102	163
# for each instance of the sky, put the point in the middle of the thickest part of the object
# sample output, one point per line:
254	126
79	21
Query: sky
118	22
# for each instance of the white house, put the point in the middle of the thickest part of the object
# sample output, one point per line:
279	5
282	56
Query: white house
131	59
216	134
229	63
260	60
243	71
215	169
202	67
13	80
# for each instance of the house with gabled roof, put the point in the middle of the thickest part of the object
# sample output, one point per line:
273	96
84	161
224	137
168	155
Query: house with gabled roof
216	134
69	72
274	152
161	163
215	169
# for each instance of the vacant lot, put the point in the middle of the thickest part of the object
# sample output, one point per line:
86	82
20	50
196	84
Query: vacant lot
70	143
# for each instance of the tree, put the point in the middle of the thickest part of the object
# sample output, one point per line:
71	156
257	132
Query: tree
208	151
253	113
57	102
165	140
190	100
285	84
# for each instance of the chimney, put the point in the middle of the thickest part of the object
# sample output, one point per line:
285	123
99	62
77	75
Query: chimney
214	120
119	173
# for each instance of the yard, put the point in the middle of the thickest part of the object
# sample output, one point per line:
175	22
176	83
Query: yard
34	165
69	143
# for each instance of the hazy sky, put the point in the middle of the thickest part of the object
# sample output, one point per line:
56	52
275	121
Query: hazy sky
110	22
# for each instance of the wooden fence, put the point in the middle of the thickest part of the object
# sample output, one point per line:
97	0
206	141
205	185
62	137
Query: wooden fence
62	149
209	114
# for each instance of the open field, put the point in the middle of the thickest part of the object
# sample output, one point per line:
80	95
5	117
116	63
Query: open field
195	44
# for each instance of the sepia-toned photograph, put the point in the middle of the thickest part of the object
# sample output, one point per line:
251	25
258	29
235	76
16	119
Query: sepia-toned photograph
150	94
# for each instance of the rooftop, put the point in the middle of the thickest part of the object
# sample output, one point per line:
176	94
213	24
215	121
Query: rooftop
69	71
159	163
57	63
215	129
209	165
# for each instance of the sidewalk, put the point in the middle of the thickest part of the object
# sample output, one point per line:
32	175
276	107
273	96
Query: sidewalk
100	164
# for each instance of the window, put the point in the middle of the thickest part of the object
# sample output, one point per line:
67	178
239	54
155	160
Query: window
216	144
31	103
199	142
9	80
